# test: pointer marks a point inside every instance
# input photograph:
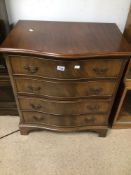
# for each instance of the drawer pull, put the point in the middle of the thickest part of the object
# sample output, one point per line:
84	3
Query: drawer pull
35	107
38	118
95	91
34	89
31	69
89	119
100	70
94	108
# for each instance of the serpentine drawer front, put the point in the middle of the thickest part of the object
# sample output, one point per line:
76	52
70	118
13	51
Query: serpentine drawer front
69	89
65	107
65	75
59	69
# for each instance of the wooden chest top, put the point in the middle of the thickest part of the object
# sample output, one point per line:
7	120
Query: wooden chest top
66	39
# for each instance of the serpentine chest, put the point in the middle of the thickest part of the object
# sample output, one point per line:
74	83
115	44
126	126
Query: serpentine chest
65	75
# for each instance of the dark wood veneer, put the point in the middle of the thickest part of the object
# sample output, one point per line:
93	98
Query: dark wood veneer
66	39
70	89
70	108
80	93
47	68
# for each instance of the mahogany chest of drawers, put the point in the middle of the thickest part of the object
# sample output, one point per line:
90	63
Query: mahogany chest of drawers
65	75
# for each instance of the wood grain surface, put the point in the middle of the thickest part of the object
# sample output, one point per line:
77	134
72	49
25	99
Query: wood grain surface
66	39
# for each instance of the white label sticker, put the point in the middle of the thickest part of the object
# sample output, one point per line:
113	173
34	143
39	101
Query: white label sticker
77	67
61	68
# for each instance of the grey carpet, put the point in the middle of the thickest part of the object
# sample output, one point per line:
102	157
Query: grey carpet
50	153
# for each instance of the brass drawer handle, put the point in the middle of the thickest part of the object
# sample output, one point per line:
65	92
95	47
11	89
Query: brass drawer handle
89	119
38	118
31	69
35	107
98	70
34	89
95	91
94	108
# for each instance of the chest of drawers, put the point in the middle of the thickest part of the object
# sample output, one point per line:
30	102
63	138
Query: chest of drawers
65	75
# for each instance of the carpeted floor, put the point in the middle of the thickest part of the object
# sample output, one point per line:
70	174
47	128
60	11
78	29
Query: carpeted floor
50	153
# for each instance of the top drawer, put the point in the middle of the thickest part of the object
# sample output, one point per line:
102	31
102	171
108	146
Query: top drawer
59	69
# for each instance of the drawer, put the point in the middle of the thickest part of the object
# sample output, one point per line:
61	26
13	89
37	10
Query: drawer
66	89
65	107
65	121
59	69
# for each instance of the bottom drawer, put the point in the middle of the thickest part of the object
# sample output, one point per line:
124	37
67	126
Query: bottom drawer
65	121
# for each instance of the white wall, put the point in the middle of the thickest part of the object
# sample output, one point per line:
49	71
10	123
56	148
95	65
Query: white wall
70	10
